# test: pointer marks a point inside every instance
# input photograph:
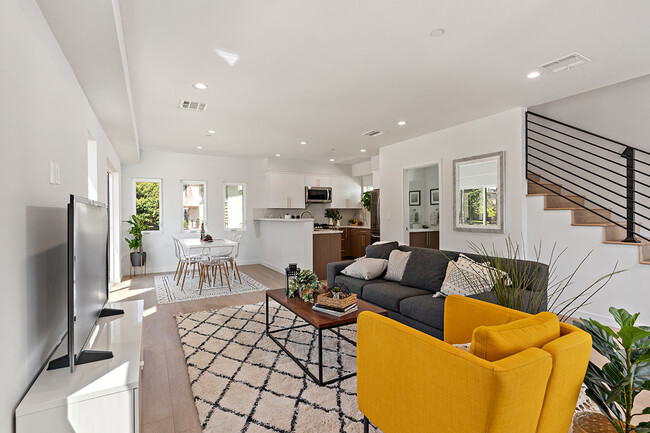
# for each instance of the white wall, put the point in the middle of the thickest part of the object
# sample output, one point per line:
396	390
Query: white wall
48	119
174	167
500	132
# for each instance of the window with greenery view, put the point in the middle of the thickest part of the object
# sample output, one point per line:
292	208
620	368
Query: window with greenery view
478	206
234	206
147	203
194	204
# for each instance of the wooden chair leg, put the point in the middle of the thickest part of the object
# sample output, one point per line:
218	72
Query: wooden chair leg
177	266
237	269
180	272
201	271
193	269
227	281
187	270
221	275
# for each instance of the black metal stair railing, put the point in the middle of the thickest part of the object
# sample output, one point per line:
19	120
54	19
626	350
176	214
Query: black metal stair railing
601	170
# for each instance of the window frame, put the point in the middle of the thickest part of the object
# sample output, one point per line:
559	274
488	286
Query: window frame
223	189
205	204
160	200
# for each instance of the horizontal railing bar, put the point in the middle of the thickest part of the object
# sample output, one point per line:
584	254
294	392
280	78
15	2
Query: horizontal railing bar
589	171
573	183
588	209
586	132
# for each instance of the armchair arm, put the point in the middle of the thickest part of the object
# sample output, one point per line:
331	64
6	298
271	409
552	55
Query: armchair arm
335	268
408	381
463	315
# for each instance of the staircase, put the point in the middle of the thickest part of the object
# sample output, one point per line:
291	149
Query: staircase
592	176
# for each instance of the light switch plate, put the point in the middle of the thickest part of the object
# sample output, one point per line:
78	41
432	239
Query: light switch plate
52	173
58	174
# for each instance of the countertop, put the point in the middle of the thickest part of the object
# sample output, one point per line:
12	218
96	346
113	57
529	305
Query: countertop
326	232
355	227
286	220
430	229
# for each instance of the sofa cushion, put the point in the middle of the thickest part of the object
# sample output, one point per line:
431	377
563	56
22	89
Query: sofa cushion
354	285
426	268
389	294
425	309
381	251
497	342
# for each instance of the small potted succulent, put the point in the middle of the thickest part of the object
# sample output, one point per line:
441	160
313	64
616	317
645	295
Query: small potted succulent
306	285
336	292
138	257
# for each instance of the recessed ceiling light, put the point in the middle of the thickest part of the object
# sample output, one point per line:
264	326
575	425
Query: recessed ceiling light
437	33
303	142
401	122
533	74
210	131
363	150
331	159
199	147
199	86
278	155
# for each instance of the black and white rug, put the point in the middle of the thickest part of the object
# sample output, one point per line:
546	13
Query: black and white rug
243	382
168	291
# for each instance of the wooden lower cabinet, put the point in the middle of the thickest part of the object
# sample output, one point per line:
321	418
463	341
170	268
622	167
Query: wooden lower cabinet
327	248
425	239
345	243
359	240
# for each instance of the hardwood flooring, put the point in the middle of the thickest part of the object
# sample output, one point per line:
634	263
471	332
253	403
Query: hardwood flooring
167	404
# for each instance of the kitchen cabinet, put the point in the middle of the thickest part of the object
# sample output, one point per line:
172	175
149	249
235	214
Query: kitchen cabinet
327	249
318	180
345	243
359	240
285	190
346	192
429	239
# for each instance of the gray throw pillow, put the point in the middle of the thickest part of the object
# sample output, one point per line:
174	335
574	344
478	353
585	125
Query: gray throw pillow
381	251
426	268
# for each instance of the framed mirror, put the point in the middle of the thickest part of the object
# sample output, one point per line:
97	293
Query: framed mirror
479	193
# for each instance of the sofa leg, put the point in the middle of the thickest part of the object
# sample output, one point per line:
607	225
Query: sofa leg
366	425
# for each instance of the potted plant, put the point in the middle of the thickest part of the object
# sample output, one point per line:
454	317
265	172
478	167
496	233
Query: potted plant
334	216
138	257
615	386
306	284
336	292
365	200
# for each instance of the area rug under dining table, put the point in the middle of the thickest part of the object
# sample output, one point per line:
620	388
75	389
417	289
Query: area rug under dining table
243	382
168	291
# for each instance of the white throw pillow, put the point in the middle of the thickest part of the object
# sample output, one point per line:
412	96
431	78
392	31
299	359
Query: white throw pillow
396	265
464	346
366	269
469	278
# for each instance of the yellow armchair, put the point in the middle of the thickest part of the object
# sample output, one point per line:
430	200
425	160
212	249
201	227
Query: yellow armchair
410	382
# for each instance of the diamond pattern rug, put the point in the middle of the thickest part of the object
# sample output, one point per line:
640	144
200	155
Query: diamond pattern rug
167	291
243	382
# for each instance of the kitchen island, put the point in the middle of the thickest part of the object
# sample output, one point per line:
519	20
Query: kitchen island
286	241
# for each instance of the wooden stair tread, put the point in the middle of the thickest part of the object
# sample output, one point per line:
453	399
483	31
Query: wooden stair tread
645	262
591	224
563	208
638	244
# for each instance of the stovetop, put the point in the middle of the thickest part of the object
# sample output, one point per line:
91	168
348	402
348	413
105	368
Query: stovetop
324	227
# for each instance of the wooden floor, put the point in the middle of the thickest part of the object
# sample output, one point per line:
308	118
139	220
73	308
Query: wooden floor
167	401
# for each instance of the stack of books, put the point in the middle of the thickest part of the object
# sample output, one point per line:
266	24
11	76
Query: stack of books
338	312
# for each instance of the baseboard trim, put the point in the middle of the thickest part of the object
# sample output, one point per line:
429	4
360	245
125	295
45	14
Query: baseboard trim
169	269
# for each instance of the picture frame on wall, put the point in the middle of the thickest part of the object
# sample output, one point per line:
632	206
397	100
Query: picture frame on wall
434	196
414	198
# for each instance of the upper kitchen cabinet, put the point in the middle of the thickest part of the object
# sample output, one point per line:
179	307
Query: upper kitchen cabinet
285	190
346	192
318	180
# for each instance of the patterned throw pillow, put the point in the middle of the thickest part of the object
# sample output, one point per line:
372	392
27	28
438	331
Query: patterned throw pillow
469	278
396	265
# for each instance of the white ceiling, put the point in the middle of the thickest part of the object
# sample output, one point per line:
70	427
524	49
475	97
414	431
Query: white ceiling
326	71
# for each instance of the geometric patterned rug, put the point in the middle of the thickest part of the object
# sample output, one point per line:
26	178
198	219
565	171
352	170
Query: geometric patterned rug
168	291
243	382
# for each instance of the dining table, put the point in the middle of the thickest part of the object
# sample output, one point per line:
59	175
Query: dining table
193	244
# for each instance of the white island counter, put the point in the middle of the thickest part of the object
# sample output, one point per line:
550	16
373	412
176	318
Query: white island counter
286	241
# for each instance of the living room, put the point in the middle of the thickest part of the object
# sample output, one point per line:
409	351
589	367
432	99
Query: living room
291	89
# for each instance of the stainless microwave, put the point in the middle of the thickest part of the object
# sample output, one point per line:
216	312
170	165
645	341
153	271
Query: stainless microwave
318	194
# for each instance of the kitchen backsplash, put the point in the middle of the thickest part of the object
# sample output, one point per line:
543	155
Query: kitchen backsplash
317	209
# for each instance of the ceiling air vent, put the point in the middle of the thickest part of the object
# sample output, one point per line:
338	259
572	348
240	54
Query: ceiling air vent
564	63
192	105
372	133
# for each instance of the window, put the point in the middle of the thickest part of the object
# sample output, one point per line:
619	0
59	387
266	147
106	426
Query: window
194	204
148	203
234	206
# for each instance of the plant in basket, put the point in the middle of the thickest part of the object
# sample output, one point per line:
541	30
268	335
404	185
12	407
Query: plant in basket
306	284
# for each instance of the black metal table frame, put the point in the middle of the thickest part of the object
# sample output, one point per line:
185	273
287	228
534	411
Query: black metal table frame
319	379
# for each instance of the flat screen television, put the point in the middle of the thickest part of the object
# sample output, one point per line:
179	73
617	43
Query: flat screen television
87	280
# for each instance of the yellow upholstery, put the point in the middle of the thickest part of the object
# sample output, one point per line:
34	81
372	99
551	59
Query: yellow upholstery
410	382
500	341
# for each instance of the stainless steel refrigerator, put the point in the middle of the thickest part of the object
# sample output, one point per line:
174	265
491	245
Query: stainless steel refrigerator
375	232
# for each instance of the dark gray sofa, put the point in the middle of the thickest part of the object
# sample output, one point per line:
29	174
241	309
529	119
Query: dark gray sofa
411	301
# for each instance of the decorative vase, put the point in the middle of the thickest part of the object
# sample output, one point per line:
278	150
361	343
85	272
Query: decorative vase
330	221
338	223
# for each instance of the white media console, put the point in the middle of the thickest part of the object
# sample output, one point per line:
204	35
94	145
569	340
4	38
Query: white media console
99	397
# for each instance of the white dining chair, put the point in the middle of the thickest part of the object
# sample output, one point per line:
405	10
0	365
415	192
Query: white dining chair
185	261
234	253
217	258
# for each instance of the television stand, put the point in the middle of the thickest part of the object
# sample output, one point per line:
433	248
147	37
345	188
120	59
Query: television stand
99	397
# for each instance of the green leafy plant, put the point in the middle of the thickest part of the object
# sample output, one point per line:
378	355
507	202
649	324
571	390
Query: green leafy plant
137	226
335	214
508	293
365	200
615	386
336	289
147	204
306	283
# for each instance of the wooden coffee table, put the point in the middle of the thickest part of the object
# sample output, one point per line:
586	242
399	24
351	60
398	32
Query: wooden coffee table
320	321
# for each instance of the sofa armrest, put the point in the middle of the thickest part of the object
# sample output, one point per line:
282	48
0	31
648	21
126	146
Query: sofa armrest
335	268
410	381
